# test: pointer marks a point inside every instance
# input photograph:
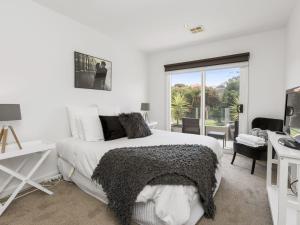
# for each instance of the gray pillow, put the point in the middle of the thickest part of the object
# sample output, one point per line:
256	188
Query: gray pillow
134	125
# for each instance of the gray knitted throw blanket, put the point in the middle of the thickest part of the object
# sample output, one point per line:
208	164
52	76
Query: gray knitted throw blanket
124	172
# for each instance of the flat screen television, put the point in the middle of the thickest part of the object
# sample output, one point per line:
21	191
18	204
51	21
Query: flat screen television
292	119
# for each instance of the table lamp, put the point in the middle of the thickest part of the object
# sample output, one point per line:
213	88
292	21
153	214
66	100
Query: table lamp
145	107
9	112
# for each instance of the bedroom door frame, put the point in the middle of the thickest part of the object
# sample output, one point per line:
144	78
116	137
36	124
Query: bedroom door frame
243	95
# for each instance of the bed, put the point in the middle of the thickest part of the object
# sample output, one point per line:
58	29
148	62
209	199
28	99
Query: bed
155	205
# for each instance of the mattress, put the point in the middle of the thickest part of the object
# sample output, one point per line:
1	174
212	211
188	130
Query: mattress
77	160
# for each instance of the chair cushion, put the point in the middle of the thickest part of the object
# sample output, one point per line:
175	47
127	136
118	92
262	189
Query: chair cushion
252	152
216	134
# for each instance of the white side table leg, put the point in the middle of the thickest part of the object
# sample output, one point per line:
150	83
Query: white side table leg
24	180
269	164
298	191
10	178
282	191
12	197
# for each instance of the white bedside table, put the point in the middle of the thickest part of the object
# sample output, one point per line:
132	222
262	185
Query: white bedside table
152	125
284	207
12	151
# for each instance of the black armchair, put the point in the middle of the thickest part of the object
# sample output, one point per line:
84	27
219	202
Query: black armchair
259	153
190	125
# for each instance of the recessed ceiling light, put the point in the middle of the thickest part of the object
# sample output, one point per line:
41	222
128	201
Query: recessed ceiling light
196	29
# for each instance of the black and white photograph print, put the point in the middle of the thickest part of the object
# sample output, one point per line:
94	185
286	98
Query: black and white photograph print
92	72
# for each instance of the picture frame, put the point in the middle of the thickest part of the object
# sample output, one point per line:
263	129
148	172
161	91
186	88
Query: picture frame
92	72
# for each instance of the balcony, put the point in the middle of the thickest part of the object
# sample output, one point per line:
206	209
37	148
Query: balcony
227	129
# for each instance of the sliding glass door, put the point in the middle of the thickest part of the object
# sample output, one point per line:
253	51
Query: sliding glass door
222	94
185	98
205	100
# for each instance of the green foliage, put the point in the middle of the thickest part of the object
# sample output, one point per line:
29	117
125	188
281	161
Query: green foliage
231	97
212	99
186	99
231	91
234	109
180	106
211	123
213	104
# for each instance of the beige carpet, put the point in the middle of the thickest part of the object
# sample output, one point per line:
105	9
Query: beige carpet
241	200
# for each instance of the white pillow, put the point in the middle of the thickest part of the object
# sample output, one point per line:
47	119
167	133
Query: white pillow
108	110
74	112
79	127
92	128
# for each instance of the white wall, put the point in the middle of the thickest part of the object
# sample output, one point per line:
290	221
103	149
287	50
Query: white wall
37	70
293	49
266	71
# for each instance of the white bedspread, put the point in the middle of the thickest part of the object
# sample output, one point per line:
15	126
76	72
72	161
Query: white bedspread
172	202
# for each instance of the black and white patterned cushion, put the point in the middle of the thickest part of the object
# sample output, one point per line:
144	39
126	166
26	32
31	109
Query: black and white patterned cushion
259	133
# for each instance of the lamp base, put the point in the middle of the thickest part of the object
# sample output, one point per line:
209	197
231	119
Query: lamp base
3	137
146	118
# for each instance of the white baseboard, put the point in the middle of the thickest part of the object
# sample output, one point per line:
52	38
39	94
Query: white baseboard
45	178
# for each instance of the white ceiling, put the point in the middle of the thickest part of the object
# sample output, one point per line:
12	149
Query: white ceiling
153	25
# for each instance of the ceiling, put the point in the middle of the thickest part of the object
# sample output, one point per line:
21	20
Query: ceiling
153	25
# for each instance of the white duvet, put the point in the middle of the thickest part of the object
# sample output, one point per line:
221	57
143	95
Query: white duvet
172	202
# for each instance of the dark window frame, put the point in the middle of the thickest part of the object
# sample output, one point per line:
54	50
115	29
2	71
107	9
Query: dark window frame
236	58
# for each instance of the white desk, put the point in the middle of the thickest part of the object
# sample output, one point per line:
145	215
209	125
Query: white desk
29	148
285	208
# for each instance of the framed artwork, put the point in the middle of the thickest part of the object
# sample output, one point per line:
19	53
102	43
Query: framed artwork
92	72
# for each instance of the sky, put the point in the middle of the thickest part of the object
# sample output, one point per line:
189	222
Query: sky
213	77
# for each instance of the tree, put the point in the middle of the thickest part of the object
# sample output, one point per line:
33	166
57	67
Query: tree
192	95
234	109
212	98
213	104
179	107
231	97
186	100
231	91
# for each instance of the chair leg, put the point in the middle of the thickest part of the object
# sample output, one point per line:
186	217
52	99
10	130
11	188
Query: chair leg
233	158
1	134
253	166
